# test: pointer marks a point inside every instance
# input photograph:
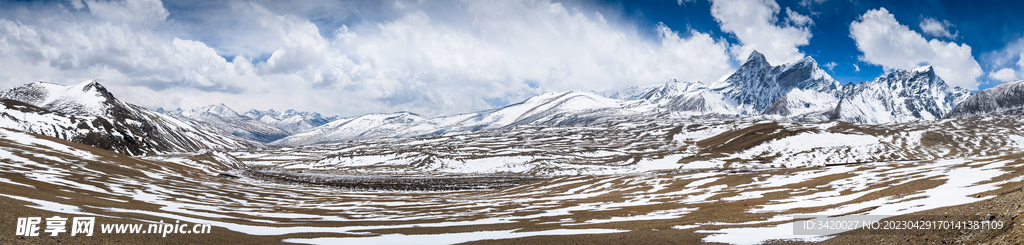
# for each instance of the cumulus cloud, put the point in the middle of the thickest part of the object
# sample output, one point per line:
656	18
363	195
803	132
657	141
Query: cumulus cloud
422	58
937	28
1005	75
755	25
797	19
1010	56
886	42
831	66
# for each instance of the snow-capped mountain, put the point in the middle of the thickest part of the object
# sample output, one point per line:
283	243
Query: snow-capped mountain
551	109
800	91
755	88
369	126
227	120
1006	98
87	113
85	99
899	96
291	121
757	85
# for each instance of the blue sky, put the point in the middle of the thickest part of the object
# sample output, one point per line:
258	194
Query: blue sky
986	26
447	57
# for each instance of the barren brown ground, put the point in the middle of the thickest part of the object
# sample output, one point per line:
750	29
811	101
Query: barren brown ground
648	208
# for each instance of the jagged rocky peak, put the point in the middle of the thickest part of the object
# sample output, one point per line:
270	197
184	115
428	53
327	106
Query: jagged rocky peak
757	85
806	74
756	58
1003	99
899	96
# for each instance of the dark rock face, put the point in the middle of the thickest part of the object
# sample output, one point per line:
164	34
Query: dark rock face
1003	99
899	96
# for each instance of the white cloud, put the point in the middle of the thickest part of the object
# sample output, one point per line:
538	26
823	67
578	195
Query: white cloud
1020	62
936	28
1010	57
856	68
886	42
797	19
831	66
754	24
1005	75
423	60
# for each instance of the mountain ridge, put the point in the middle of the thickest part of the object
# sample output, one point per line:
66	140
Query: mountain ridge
88	113
798	91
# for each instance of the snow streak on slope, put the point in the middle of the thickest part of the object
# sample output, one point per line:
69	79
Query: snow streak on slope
630	146
733	206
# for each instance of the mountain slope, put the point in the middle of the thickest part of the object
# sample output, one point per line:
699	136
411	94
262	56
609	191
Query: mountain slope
87	113
551	109
223	118
899	96
1003	99
369	126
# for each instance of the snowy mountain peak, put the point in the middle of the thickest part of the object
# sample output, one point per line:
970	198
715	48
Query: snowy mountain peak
756	58
924	69
806	61
290	120
217	110
220	110
899	96
88	98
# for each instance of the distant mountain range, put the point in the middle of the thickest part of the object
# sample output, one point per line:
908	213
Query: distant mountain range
228	121
800	91
262	126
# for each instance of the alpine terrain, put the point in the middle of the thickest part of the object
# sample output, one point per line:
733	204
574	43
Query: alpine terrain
741	160
87	113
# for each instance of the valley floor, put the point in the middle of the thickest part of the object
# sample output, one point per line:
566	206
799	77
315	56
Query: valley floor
44	177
